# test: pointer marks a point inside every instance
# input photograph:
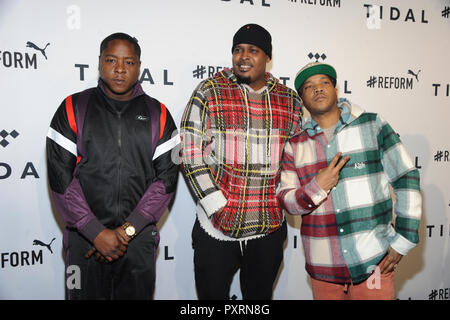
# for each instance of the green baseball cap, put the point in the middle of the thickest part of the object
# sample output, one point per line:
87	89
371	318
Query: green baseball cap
312	69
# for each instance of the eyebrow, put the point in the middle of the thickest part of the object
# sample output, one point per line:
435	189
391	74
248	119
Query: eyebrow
240	45
113	55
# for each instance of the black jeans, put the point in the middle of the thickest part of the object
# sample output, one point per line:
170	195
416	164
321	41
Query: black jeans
132	276
216	262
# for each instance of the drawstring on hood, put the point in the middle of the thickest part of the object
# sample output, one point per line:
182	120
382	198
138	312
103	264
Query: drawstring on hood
267	93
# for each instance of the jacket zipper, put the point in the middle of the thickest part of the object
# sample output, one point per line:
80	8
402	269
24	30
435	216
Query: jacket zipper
119	169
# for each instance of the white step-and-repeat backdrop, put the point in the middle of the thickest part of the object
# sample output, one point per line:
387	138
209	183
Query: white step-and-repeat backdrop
392	57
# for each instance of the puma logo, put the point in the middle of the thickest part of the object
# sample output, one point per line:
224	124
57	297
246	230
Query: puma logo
40	243
415	75
32	45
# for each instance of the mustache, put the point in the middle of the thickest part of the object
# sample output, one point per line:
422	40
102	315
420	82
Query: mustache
319	95
244	62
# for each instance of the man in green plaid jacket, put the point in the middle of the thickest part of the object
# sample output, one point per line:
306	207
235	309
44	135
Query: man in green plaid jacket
337	174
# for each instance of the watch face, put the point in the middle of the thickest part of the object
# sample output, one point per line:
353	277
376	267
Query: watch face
130	231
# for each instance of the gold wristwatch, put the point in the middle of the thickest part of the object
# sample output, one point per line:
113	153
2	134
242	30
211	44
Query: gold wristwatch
129	229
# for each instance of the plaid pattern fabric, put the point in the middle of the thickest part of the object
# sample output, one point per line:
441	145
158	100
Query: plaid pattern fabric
232	141
347	232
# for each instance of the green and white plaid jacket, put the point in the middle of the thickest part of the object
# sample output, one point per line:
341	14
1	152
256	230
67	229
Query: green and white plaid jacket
347	232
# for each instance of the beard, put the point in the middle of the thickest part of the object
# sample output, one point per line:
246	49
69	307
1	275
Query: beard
243	80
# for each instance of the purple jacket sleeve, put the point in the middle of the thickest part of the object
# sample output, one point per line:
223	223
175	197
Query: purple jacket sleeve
151	206
75	211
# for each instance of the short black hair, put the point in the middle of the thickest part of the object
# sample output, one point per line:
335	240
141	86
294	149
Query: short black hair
121	36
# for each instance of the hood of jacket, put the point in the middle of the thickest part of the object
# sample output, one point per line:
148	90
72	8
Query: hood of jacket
349	113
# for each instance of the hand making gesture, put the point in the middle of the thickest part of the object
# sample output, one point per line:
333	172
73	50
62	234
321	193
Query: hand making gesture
328	177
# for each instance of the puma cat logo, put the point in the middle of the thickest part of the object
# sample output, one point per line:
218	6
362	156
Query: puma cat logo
40	243
415	75
32	45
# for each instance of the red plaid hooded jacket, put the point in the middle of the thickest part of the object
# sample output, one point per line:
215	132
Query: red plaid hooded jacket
232	140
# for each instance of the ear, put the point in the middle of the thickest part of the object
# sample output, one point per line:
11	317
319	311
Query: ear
139	68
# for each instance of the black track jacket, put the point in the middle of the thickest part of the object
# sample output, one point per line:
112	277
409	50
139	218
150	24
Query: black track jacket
106	167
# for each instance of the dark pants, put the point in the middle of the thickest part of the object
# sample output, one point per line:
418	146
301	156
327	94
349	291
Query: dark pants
216	262
132	276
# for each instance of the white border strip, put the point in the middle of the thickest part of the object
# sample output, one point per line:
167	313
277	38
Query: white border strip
62	141
166	146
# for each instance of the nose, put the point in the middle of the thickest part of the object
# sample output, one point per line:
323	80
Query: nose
244	54
317	89
120	66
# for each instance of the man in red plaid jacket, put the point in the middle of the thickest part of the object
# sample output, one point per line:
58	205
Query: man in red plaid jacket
233	132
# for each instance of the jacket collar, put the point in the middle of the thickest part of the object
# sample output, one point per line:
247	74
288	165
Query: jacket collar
349	112
137	91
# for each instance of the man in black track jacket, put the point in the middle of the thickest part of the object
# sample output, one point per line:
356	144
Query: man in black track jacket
111	176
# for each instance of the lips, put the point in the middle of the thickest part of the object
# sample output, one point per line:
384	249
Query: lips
319	97
244	67
119	82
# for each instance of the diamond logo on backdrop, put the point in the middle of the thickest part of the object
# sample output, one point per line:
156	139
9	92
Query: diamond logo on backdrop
4	134
317	56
